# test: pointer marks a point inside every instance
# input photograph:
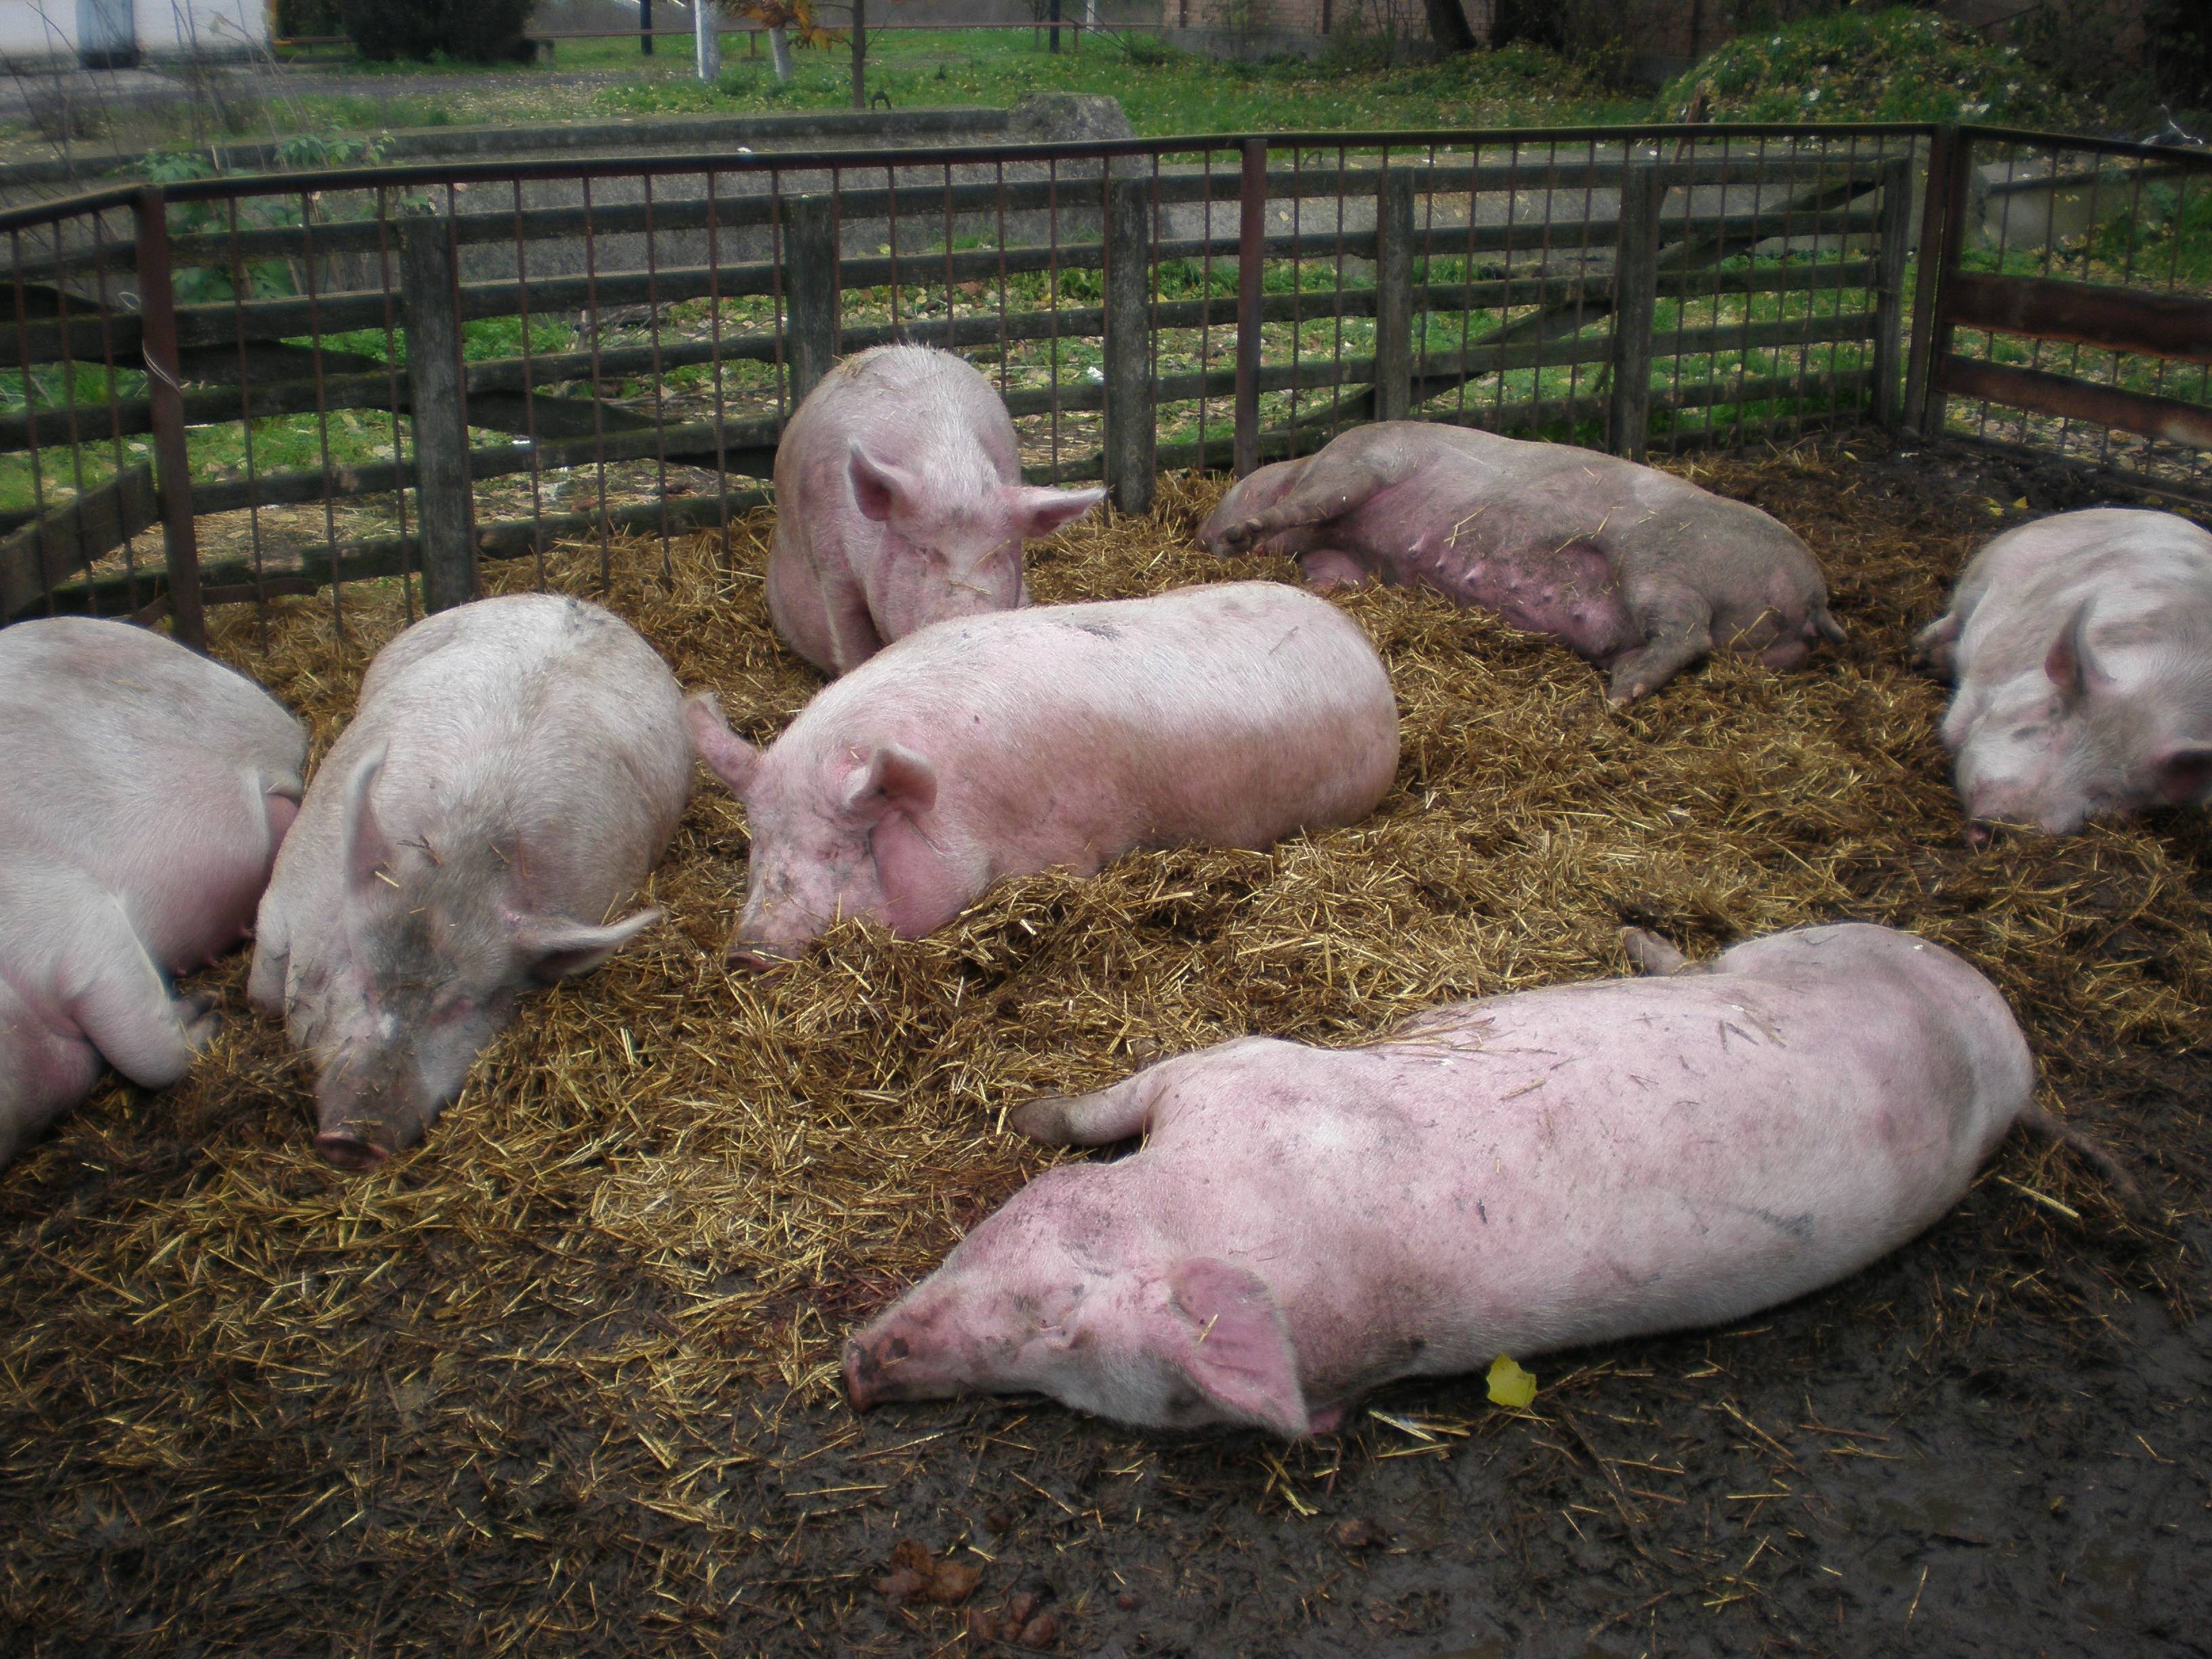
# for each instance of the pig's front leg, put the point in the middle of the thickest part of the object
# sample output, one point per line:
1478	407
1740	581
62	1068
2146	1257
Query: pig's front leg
1935	647
1677	626
1326	490
127	1012
1093	1120
853	635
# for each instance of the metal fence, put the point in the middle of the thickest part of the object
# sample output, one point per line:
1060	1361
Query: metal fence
238	388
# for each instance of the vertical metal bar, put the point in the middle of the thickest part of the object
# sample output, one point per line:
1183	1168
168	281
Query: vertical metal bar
1889	343
444	509
529	393
1635	299
1132	446
809	283
407	568
1934	218
860	53
645	28
715	334
1393	294
659	385
598	406
157	315
1251	249
322	402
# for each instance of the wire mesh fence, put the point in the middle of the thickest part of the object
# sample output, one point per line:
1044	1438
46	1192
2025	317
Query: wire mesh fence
235	389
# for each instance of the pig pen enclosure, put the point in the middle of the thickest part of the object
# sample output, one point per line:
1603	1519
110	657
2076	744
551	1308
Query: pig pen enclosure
564	1379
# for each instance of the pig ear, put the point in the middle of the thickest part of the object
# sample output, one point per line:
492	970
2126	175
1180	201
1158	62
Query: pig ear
368	851
2184	775
728	756
895	780
554	947
1231	1340
2071	666
1038	512
880	490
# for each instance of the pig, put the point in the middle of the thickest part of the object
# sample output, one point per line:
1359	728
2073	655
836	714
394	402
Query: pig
514	769
148	790
1634	570
900	502
1230	714
1509	1175
2081	649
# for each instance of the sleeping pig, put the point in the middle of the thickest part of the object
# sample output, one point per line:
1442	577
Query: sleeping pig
514	769
1523	1173
146	790
900	502
1228	715
2082	648
1636	570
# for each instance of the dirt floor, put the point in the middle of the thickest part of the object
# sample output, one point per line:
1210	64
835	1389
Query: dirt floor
563	1381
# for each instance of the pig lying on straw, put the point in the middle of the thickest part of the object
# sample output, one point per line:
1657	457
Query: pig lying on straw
512	771
2082	647
1227	715
146	790
1636	570
1513	1174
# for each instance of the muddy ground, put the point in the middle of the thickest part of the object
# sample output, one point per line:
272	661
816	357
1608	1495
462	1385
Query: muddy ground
1998	1441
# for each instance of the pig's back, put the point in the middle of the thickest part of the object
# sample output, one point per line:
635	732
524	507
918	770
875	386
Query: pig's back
134	759
2143	574
1228	712
1591	1162
916	407
536	714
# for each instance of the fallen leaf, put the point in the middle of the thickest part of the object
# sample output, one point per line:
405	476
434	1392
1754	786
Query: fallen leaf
1509	1384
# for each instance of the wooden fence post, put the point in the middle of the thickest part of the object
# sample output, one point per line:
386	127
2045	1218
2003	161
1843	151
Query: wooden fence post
1251	246
164	401
1393	295
1132	440
1895	230
810	292
1635	294
1934	221
445	506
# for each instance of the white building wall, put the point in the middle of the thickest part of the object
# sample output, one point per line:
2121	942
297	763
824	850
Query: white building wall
30	30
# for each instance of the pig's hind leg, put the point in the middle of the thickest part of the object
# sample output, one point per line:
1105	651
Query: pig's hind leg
128	1014
1093	1120
1323	492
1650	954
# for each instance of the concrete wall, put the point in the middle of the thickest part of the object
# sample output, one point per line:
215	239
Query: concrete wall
38	31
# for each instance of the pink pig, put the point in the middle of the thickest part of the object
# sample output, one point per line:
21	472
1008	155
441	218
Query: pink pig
899	502
147	791
2082	647
1636	570
1511	1175
1228	715
512	772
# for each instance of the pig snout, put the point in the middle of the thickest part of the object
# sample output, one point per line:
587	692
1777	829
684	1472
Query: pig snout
867	1367
758	956
361	1120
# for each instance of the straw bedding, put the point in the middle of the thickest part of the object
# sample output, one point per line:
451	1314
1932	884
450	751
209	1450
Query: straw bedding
549	1383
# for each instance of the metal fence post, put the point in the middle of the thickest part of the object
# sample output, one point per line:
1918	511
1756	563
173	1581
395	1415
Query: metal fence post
157	314
1895	229
1934	218
1635	296
1393	295
1132	440
445	508
810	291
1251	249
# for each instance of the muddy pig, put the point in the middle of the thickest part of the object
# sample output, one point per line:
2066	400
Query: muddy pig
2082	648
147	791
1509	1175
1227	715
514	767
1636	570
900	502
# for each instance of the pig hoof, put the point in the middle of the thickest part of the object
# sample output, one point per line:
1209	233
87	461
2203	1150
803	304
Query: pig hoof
1650	954
350	1152
1043	1121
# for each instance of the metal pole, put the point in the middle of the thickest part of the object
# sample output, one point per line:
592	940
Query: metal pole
1251	244
164	397
1052	35
645	27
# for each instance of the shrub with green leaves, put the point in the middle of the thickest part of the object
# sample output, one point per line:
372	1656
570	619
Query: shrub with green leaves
480	31
1893	64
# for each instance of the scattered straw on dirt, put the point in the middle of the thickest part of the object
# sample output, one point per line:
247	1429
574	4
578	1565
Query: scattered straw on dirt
541	1368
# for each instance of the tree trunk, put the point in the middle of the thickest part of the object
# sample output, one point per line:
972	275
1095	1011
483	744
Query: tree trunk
1448	27
778	52
860	54
707	41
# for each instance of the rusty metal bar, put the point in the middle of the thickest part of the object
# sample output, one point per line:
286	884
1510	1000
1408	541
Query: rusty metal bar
1251	237
157	312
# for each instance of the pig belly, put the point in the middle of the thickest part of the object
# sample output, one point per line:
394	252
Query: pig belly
1569	593
206	903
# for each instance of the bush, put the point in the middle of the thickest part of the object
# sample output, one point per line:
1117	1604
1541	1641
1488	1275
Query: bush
482	31
298	17
1895	64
